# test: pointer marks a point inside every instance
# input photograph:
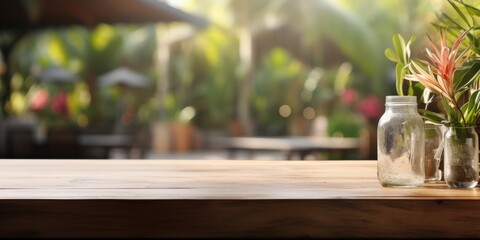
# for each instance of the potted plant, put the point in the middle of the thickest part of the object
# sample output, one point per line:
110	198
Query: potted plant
452	77
449	74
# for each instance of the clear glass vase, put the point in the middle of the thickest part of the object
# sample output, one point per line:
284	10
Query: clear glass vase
401	144
433	152
461	157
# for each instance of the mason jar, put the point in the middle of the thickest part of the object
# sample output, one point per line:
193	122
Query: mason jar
401	143
433	152
461	157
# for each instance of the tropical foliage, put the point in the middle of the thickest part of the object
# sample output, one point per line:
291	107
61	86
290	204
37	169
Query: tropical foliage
401	56
439	77
204	70
450	72
323	48
87	53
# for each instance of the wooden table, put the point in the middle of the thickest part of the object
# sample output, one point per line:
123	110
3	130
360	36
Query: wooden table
289	145
221	198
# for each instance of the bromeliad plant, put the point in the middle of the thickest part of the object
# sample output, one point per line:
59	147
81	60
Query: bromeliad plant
451	74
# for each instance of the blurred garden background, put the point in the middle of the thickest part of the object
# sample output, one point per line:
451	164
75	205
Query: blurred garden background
252	68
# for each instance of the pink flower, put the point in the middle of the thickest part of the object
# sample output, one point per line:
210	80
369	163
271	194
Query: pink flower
371	107
438	77
39	100
349	96
60	104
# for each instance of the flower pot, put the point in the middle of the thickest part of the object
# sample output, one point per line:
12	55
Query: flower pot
161	137
182	134
461	157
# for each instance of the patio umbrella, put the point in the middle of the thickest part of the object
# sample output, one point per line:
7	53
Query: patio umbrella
18	15
57	75
127	80
123	76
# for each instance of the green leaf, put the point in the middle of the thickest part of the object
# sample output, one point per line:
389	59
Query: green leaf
465	110
449	28
452	21
390	54
471	9
476	103
399	75
407	47
464	81
410	89
473	107
460	13
432	116
401	56
399	45
459	93
427	96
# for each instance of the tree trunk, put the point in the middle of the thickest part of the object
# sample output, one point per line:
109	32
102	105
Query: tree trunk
247	64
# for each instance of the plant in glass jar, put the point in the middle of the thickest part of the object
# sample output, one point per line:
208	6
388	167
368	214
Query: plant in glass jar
401	56
450	77
451	74
400	130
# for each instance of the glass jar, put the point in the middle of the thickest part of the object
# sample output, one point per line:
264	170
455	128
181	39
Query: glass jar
461	157
401	143
433	152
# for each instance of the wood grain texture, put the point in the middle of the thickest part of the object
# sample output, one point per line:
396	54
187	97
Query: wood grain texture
215	198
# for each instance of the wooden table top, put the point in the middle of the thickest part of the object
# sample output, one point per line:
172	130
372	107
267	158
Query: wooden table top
206	179
224	198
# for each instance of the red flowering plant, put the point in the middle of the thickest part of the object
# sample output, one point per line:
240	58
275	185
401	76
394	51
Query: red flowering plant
39	100
369	107
52	110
